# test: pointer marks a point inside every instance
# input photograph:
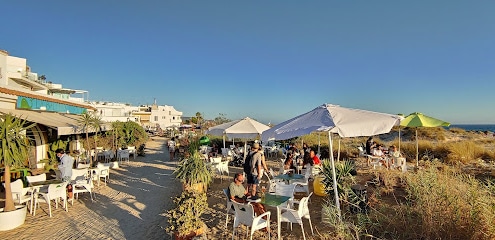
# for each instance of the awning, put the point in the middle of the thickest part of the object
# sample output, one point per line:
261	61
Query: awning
64	123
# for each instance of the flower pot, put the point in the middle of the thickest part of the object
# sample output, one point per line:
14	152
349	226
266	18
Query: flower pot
197	187
12	219
318	186
191	235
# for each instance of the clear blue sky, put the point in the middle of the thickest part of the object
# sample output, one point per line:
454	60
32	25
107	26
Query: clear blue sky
268	60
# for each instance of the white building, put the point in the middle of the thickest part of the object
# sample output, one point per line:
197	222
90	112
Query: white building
149	116
152	116
52	108
112	111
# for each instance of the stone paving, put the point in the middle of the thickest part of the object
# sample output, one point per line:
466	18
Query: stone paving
131	206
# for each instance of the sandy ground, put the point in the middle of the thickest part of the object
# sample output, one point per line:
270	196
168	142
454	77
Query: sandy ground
131	206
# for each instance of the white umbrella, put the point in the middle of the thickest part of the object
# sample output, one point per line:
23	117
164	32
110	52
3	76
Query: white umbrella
245	128
347	122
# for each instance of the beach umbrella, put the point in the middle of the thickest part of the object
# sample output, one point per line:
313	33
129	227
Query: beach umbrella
245	128
204	140
346	122
416	120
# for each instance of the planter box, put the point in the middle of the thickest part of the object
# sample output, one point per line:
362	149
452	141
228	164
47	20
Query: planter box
12	219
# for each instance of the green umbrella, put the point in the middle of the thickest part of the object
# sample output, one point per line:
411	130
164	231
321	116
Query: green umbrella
204	140
419	120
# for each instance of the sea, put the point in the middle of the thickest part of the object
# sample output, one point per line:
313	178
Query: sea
474	127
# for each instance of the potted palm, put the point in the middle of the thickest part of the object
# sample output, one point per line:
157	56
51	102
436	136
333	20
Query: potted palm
14	147
185	219
192	170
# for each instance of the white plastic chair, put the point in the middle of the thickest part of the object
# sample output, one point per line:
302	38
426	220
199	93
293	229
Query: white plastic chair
132	151
244	214
37	178
20	194
216	159
400	162
295	215
287	190
230	209
81	182
221	167
102	171
272	182
55	192
302	186
109	154
123	155
362	152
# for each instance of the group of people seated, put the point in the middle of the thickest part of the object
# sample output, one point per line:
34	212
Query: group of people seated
294	157
383	154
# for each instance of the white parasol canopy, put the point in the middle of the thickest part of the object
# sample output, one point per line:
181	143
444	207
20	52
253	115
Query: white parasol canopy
245	128
347	122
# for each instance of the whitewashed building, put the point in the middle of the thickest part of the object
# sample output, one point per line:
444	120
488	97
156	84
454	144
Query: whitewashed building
54	110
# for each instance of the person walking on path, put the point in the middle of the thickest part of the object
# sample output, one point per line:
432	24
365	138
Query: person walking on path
171	148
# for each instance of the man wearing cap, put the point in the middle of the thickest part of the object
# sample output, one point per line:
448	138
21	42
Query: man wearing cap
254	177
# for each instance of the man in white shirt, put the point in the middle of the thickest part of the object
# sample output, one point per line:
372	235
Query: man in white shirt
65	165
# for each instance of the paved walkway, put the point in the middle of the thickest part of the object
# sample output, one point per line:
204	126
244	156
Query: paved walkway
131	206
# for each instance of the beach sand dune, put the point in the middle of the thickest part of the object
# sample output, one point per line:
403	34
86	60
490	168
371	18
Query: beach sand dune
131	206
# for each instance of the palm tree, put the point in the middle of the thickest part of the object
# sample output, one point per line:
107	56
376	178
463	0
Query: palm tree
96	123
14	147
85	122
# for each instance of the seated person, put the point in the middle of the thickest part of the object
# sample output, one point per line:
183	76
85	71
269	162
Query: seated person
314	158
215	150
308	159
394	153
289	161
377	151
239	194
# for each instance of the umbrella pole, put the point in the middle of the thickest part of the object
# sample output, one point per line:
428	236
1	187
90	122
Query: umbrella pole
224	141
334	176
417	149
399	138
319	143
245	149
338	153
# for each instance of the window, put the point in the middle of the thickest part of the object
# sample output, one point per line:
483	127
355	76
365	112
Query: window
156	118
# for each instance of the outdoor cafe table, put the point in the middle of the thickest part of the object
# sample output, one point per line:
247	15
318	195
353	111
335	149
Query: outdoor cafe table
274	201
288	178
43	184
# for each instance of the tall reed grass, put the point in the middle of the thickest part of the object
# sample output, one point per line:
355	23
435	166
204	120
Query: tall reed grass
439	204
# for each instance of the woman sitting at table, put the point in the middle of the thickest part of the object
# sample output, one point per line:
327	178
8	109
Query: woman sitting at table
377	152
289	161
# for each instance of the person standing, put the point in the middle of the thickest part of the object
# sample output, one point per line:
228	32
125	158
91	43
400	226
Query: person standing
254	175
370	144
264	168
65	165
171	148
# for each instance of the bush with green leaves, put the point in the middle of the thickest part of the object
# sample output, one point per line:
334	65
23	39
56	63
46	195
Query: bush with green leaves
345	179
186	216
